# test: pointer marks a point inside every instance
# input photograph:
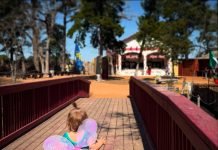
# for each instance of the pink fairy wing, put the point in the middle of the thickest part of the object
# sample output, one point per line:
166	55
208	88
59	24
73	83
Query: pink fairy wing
87	133
89	125
57	142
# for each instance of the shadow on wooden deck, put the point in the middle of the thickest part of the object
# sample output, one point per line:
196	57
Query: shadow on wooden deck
118	122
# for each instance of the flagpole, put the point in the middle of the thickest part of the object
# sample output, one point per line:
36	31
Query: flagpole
208	83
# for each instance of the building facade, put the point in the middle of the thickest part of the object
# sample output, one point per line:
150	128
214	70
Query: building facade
152	62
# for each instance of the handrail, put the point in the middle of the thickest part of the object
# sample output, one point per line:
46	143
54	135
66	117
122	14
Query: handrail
25	105
173	121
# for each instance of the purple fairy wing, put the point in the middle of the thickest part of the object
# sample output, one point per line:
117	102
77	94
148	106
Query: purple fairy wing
57	142
89	125
87	133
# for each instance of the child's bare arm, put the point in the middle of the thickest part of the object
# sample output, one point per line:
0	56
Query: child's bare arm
98	144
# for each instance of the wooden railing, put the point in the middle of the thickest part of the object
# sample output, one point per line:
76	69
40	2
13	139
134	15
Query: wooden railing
173	121
23	106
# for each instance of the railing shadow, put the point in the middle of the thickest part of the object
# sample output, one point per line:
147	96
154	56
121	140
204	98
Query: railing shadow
135	126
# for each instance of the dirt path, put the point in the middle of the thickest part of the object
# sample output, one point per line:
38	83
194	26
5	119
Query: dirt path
118	88
115	87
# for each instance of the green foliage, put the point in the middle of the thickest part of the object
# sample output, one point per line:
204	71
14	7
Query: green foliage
12	25
9	7
209	31
172	23
57	39
99	18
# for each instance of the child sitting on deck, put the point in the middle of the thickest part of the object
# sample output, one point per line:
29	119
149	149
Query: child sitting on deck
75	118
82	133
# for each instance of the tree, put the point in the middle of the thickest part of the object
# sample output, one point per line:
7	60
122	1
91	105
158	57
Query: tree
4	61
208	38
57	46
12	33
101	19
35	27
47	17
67	8
171	23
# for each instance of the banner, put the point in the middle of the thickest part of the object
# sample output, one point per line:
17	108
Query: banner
212	60
78	61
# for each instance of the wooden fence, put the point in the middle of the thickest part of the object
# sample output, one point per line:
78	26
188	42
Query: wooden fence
24	106
173	121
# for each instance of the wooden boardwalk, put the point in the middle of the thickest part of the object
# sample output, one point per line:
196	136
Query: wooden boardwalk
117	122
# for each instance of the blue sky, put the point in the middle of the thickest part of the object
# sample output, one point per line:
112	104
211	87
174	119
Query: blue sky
132	9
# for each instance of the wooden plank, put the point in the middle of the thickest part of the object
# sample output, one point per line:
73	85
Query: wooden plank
115	118
128	140
48	125
105	129
119	144
111	135
137	141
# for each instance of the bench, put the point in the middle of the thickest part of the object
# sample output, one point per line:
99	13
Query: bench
159	81
34	75
7	74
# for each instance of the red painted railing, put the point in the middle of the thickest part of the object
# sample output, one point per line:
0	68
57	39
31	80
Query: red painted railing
23	106
173	121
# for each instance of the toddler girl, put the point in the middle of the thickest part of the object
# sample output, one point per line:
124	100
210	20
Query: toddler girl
75	120
82	133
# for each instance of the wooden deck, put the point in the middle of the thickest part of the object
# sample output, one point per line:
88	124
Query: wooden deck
117	122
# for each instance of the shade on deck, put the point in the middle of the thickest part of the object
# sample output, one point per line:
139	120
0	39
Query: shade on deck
117	122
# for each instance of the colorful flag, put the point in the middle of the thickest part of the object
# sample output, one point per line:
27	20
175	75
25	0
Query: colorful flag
77	49
78	61
212	60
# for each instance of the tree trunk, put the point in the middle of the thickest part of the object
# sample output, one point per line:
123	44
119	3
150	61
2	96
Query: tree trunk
64	42
50	21
47	57
139	57
42	59
35	37
173	71
35	42
111	64
12	65
23	65
100	53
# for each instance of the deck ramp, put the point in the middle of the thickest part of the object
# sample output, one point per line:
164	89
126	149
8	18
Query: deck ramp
118	121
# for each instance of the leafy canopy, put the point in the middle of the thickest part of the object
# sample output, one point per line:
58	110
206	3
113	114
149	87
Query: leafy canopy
172	23
99	18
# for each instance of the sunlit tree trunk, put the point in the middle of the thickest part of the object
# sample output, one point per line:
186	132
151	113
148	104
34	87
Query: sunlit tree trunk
100	54
50	21
35	37
35	42
13	65
47	57
111	64
139	57
42	59
64	41
23	64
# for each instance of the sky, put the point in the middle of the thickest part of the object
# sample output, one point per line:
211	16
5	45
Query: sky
132	9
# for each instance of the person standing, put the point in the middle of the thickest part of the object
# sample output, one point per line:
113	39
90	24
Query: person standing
167	70
206	72
149	70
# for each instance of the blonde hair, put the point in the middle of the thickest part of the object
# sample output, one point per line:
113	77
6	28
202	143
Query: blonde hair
75	118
